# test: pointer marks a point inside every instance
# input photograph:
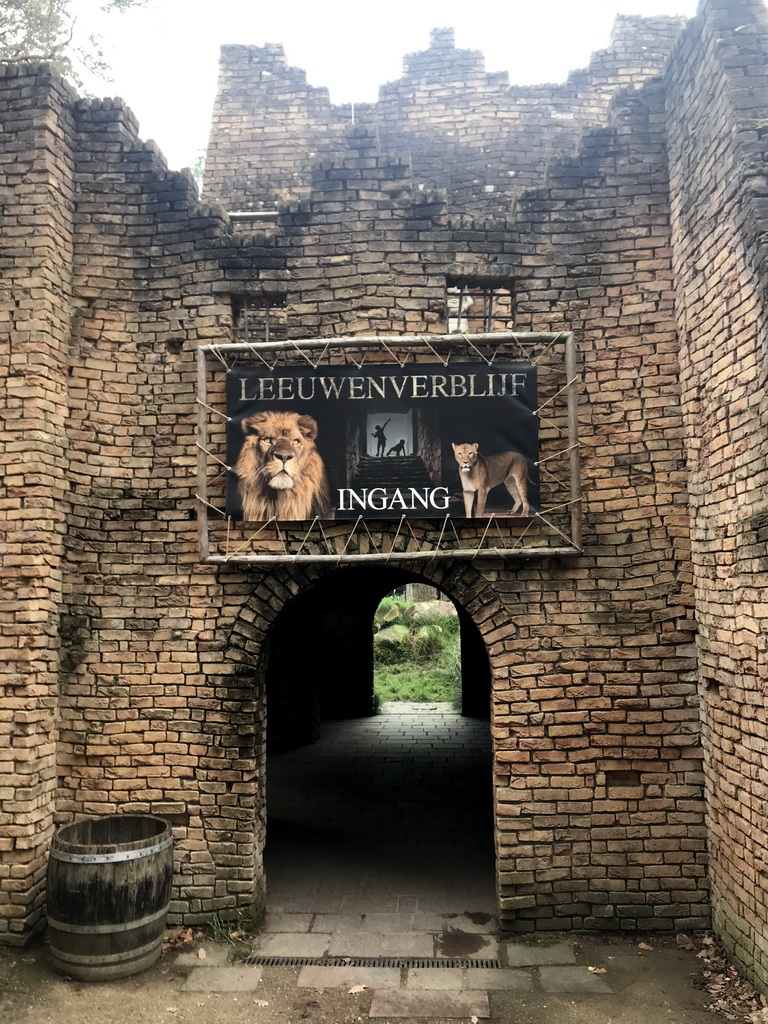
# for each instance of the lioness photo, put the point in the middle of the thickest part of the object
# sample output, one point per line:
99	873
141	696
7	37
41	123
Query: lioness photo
480	473
280	472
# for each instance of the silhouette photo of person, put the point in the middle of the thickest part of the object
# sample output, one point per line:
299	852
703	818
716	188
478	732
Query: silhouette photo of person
397	449
381	440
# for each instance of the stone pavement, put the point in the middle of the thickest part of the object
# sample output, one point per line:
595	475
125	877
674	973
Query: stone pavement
380	846
380	934
552	985
557	980
389	814
447	992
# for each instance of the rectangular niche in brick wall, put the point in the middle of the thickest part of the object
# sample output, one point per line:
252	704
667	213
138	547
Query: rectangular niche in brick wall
478	305
259	317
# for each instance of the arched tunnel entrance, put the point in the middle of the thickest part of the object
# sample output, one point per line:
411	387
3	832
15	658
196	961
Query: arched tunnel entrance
387	812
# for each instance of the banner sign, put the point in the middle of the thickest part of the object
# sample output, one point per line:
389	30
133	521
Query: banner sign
382	441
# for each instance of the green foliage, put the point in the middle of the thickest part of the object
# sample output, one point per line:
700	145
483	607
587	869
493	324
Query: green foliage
234	927
450	662
416	657
218	929
389	610
390	643
402	640
413	683
198	168
35	31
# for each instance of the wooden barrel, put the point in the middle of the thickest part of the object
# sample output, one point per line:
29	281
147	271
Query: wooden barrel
109	885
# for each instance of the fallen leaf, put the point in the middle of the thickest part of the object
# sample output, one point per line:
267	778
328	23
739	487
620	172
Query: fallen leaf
356	988
261	1002
645	946
596	970
473	1020
12	963
171	1009
201	954
684	941
187	936
236	935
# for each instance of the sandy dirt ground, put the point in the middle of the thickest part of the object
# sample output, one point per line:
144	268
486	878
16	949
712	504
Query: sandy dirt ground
648	987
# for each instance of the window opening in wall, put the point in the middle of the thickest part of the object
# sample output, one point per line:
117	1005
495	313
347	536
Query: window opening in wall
477	306
259	318
416	648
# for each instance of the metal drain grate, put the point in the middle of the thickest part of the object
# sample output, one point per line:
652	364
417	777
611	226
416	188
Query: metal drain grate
367	961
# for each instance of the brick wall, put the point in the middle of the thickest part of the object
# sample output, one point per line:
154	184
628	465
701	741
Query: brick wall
717	101
153	665
36	253
462	129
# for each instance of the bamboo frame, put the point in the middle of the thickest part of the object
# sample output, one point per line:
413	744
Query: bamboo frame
497	339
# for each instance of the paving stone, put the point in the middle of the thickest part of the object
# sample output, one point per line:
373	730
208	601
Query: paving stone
383	923
572	980
423	922
450	1005
407	904
215	956
370	904
315	976
524	954
397	944
447	904
333	923
463	944
308	904
435	978
294	944
223	979
408	944
356	944
288	923
499	980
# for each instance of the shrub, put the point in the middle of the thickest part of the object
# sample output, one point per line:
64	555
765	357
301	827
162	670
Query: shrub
416	657
418	641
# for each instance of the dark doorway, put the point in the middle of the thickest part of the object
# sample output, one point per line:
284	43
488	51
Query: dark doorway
389	811
320	657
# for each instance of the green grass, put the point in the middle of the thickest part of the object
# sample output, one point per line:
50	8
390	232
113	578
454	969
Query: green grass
413	682
415	658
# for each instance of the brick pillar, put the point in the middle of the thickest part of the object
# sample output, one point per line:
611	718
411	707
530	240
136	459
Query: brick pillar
35	296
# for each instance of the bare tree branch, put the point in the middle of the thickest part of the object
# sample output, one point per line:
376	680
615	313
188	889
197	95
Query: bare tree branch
33	31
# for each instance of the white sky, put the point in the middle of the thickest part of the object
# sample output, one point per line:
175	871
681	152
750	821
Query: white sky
165	56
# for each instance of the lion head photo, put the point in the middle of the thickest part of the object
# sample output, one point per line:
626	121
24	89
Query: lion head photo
280	472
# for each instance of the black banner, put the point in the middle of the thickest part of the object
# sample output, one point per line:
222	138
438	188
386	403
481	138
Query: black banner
383	441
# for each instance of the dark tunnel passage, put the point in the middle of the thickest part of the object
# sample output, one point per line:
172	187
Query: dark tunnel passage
391	811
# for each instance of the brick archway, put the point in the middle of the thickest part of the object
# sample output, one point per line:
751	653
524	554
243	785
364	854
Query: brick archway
271	599
463	583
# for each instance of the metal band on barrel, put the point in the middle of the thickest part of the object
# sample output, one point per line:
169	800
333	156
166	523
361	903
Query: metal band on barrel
96	960
111	858
106	929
